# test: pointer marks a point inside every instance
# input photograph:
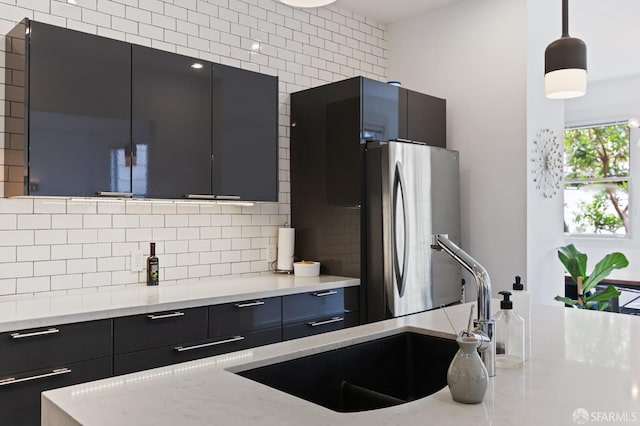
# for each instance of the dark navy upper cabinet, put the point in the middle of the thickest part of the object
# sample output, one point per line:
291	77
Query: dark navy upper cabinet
171	124
245	134
78	113
380	111
105	117
426	119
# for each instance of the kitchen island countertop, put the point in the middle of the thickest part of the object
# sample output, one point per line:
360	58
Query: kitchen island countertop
584	368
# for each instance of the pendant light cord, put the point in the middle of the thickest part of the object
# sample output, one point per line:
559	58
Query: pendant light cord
565	18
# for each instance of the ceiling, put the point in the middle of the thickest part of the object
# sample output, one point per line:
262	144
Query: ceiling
611	29
390	11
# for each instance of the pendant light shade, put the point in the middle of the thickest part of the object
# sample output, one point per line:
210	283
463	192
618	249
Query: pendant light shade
307	3
565	64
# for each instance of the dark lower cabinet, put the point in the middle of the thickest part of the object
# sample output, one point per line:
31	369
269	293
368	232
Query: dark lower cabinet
40	359
44	347
319	325
316	312
158	329
20	397
142	360
248	315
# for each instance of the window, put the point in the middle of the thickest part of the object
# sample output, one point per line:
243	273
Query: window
596	172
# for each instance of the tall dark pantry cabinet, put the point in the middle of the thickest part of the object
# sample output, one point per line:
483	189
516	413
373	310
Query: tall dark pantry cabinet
330	126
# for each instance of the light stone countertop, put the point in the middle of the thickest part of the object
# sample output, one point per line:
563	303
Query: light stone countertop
27	313
580	360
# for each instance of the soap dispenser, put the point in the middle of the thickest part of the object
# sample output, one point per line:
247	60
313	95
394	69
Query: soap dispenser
522	306
509	335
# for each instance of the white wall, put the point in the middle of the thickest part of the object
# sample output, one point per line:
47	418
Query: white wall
610	101
545	278
473	53
58	246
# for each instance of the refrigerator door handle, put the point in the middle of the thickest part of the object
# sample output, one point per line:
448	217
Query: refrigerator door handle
399	215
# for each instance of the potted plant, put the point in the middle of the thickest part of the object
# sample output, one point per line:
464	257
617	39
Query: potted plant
590	297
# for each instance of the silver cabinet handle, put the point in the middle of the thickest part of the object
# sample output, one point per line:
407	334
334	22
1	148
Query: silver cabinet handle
325	293
227	197
329	321
211	197
35	333
13	380
249	304
113	194
162	316
200	196
206	345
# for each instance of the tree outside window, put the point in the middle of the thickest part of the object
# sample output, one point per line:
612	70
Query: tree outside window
596	171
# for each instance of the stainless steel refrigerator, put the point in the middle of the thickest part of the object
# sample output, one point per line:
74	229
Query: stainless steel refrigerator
411	193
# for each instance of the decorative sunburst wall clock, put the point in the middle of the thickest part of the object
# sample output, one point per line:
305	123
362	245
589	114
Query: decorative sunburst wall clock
547	162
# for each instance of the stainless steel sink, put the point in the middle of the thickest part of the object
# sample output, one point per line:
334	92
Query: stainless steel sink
365	376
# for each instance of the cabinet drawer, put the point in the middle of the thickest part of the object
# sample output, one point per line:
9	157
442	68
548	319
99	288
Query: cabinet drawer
159	329
317	326
44	347
20	399
317	304
159	357
244	316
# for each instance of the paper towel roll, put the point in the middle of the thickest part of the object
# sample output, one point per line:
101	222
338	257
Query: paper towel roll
286	243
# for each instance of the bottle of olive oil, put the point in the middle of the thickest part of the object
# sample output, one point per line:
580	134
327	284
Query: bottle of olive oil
153	265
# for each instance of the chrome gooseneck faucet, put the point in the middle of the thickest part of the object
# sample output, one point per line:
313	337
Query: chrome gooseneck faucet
484	326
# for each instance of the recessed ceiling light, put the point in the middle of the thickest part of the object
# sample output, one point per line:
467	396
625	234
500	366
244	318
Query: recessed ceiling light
307	3
196	65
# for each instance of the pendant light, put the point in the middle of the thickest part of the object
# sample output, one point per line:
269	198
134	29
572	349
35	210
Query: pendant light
565	64
307	3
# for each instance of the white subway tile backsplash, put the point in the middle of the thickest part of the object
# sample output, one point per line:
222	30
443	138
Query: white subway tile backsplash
17	238
66	251
43	241
230	256
96	250
220	269
32	285
111	235
96	279
8	287
67	221
26	253
8	221
75	236
78	266
66	282
51	267
46	237
175	273
138	15
111	264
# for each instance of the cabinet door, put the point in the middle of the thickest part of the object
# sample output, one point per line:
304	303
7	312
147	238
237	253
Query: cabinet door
78	113
379	110
426	119
147	331
171	124
244	316
20	394
245	134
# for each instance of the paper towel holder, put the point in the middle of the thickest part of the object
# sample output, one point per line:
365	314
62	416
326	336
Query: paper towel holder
291	254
